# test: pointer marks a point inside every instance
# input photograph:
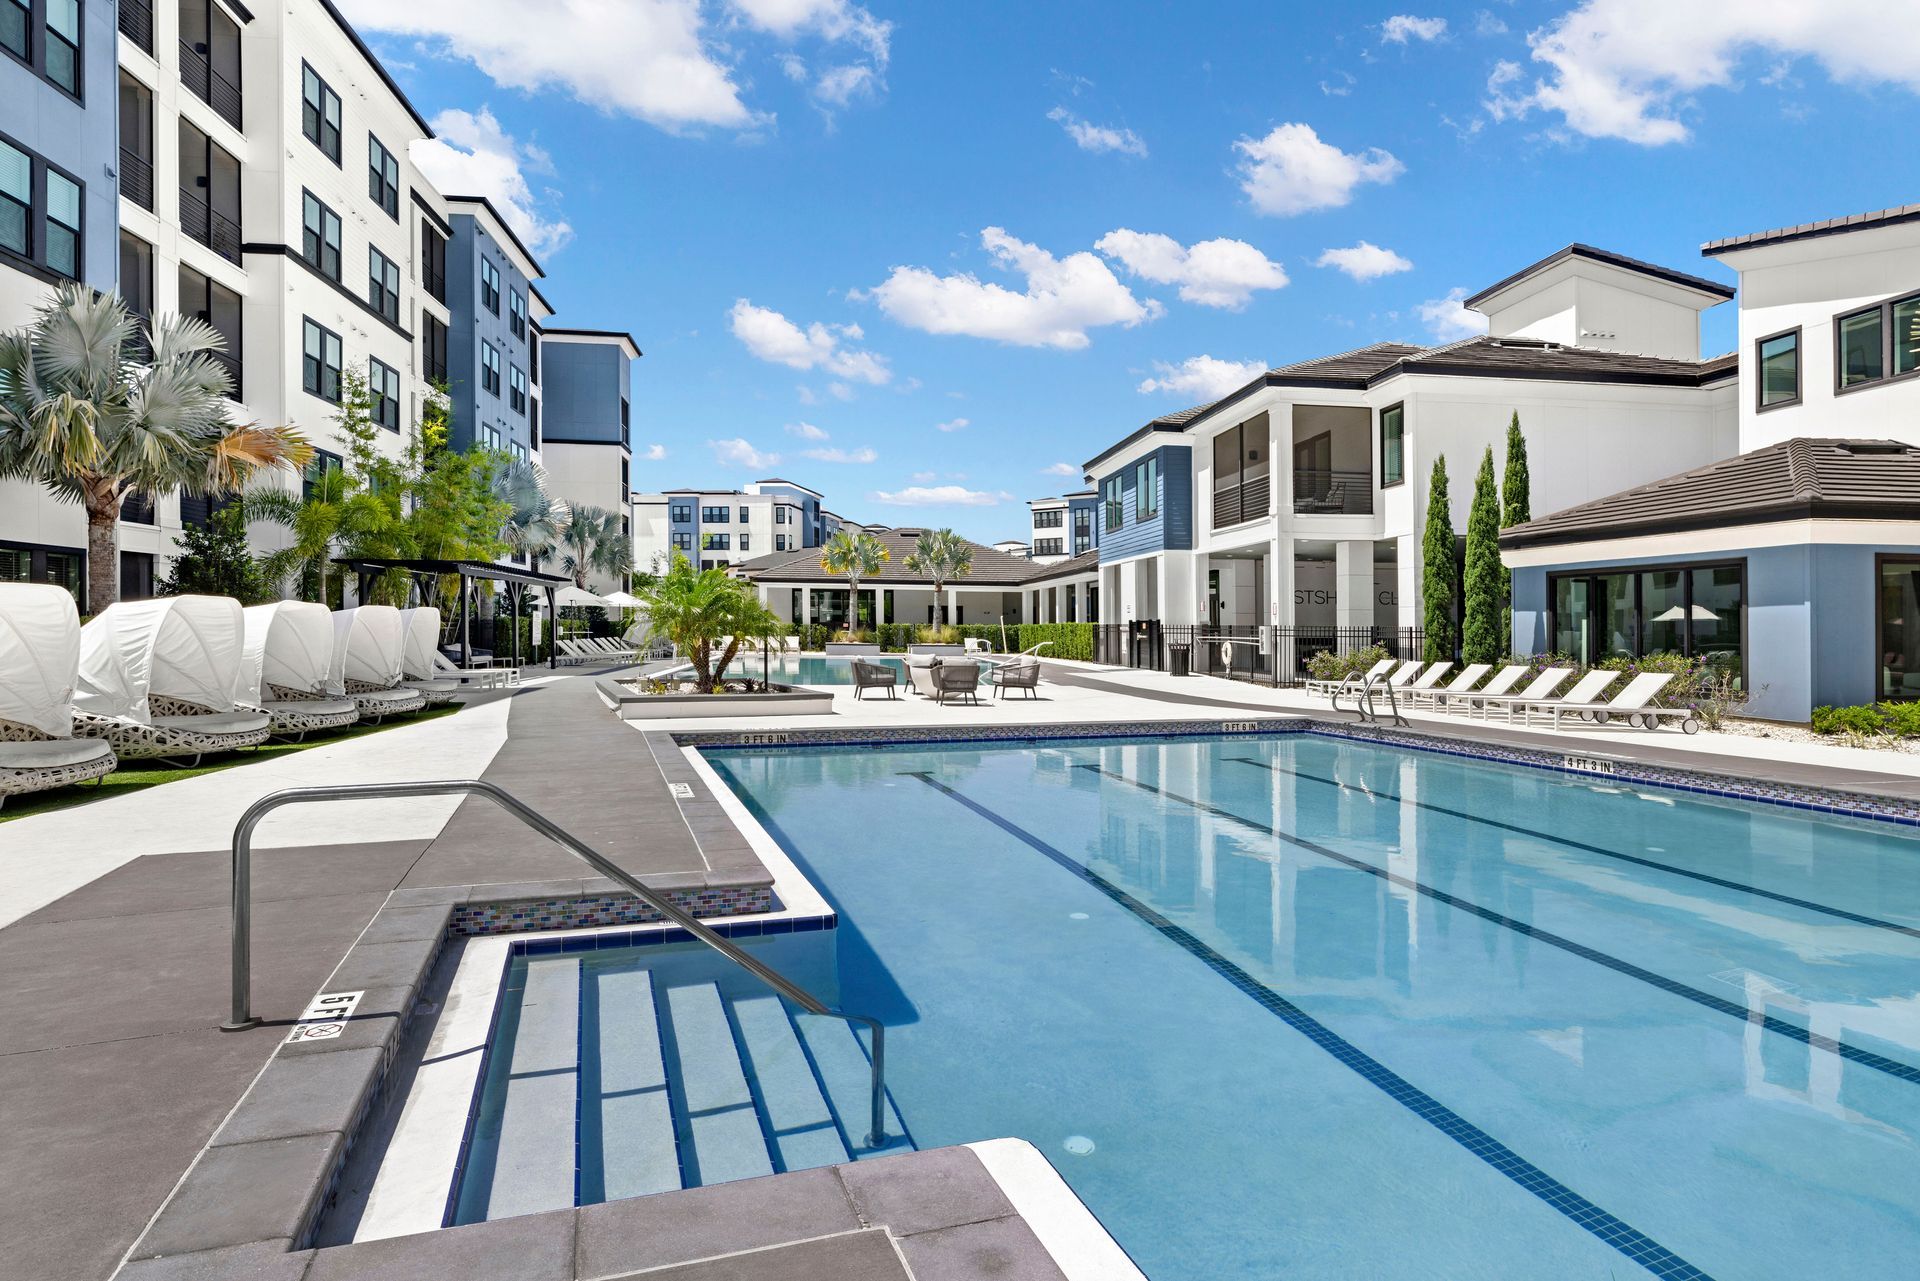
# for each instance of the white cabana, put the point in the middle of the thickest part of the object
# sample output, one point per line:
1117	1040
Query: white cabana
369	644
418	650
290	645
39	654
186	649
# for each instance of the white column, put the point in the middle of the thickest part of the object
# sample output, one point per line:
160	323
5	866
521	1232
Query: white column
806	606
1353	583
1411	606
1280	580
1181	586
953	604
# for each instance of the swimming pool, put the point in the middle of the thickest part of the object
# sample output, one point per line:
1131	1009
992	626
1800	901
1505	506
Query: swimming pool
1306	1006
811	669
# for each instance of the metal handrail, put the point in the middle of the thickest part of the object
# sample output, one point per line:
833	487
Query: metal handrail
243	1017
1363	700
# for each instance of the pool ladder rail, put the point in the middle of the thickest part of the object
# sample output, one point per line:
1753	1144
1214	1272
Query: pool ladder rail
1363	700
242	1015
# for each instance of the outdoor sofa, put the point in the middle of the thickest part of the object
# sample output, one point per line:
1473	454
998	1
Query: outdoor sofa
39	657
283	669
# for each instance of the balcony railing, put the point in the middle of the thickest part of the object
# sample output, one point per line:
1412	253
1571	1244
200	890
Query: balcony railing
214	230
208	85
1245	501
231	363
1332	493
136	23
136	178
137	348
436	283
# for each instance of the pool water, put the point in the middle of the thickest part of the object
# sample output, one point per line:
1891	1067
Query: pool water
811	669
1304	1006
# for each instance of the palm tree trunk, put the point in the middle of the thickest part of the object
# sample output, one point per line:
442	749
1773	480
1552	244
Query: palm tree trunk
103	552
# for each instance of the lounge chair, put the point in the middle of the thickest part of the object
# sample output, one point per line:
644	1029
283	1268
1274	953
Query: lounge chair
1539	692
1434	694
1634	703
482	677
953	681
1405	676
1428	679
283	669
368	643
608	647
1581	700
868	676
1501	685
920	670
1353	680
39	656
1022	673
417	651
157	679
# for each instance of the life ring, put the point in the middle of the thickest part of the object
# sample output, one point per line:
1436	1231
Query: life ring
1226	654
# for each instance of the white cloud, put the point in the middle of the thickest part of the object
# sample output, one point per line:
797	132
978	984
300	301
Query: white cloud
1364	261
1291	171
1092	137
1340	88
935	496
1447	320
646	58
1061	469
1063	298
952	424
1203	377
655	453
738	453
1404	27
921	477
836	22
1486	24
806	431
1213	273
474	156
770	336
864	454
1623	68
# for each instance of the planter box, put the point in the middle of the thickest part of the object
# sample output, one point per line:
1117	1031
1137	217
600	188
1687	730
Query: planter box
955	650
781	700
851	647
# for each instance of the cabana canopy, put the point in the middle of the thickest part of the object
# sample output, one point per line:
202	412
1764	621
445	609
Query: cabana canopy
290	644
367	646
422	642
184	647
515	579
39	653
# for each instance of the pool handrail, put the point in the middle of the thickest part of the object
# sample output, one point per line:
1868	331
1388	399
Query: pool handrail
242	1013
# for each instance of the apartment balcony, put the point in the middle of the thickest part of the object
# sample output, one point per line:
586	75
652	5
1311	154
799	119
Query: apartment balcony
136	179
211	228
1241	501
208	85
136	24
1326	492
230	362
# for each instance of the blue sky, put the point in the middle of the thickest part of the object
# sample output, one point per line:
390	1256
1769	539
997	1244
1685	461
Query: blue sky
914	256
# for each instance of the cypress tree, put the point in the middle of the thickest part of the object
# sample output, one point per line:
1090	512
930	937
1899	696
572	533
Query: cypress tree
1480	640
1436	568
1516	488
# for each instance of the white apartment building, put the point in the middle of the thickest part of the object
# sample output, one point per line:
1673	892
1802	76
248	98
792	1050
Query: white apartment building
1063	526
719	528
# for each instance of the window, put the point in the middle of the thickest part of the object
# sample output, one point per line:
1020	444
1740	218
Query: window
136	274
716	542
783	515
1698	610
60	57
1240	485
1393	445
63	224
533	430
517	390
1082	530
1048	519
220	307
16	198
320	362
383	386
683	542
323	466
383	177
433	349
714	515
780	542
433	260
16	29
516	313
743	516
1047	547
319	113
1876	344
383	284
320	235
1779	361
45	232
490	367
1898	623
1115	515
680	513
1146	489
136	142
489	286
743	540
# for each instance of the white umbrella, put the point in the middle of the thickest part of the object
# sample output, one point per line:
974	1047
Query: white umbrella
570	595
623	600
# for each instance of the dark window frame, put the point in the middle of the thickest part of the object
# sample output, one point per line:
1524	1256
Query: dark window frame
489	285
1683	567
489	368
1880	560
1399	407
34	261
516	313
385	409
382	188
1146	508
516	388
680	513
320	126
382	296
317	384
1760	406
1113	501
433	266
38	33
337	244
1884	308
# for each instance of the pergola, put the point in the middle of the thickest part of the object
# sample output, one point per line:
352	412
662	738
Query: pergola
516	582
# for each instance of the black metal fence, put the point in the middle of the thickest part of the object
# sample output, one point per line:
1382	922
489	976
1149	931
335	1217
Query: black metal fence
1266	654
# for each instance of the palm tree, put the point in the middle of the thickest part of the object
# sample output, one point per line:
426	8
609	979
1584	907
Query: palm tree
942	555
853	554
535	518
592	539
80	416
693	608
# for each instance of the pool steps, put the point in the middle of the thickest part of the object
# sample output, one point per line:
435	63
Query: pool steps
685	1087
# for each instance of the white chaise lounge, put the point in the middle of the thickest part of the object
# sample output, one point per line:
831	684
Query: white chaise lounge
1540	691
1434	694
418	649
39	656
158	679
283	669
368	642
1353	681
1581	700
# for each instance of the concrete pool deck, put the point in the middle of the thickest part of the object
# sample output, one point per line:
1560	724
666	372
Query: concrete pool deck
115	913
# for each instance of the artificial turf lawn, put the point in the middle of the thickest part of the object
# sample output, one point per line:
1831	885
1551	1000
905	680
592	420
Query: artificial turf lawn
134	776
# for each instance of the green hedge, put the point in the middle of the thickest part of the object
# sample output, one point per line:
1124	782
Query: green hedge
1871	720
1070	640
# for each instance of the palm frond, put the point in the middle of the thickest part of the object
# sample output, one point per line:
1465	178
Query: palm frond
249	449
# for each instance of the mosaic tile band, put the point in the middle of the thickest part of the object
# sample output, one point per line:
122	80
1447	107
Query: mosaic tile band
522	915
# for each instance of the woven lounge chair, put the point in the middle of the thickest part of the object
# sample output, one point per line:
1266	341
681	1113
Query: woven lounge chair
39	656
920	670
955	681
1022	674
157	679
417	650
868	676
366	666
283	669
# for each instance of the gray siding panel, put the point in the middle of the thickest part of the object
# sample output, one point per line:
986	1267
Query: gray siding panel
1169	529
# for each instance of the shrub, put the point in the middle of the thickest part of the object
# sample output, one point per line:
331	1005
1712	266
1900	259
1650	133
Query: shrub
1330	666
1070	640
1854	722
1902	719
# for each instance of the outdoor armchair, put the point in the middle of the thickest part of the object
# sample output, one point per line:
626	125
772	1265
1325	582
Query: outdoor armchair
868	676
1021	673
953	681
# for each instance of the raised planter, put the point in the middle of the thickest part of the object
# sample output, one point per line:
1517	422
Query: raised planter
955	650
780	700
851	647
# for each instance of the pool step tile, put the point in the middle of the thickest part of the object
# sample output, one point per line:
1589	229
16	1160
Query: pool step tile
632	1150
844	1068
800	1123
533	1166
720	1135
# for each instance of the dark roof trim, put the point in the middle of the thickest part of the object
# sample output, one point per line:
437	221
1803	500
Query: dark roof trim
1811	230
379	68
1611	259
553	331
440	224
535	291
294	256
466	568
1440	368
1771	514
504	225
1139	435
239	10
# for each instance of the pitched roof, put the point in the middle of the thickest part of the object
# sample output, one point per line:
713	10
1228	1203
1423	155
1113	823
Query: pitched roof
1794	480
1085	563
1808	230
1359	364
1611	259
990	568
